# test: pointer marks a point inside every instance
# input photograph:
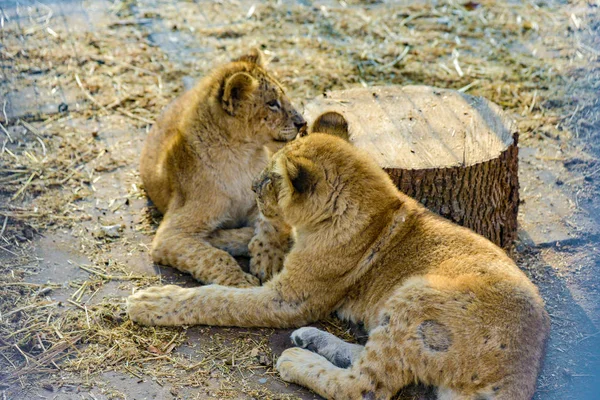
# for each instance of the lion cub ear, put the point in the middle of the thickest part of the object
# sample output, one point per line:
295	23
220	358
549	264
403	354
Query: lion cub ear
238	87
255	56
332	123
301	174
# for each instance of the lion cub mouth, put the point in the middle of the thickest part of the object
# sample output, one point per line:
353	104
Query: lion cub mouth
283	140
289	135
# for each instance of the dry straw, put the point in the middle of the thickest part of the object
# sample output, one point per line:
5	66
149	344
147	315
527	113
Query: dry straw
50	164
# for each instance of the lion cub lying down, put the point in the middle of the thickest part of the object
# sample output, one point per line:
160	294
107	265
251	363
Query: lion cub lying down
443	306
198	164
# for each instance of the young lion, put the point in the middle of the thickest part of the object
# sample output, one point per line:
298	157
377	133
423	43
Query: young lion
198	164
443	306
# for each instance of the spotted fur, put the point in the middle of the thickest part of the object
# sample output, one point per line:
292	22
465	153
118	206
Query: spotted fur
443	306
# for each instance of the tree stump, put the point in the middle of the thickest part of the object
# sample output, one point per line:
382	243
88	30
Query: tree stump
455	153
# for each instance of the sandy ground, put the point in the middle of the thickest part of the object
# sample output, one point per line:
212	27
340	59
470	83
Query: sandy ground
81	82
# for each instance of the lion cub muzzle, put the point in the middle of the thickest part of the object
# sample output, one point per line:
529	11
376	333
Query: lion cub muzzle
299	122
290	133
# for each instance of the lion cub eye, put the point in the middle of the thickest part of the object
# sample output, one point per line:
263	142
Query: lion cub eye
274	105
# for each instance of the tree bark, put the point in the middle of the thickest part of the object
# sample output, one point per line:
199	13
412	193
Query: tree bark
455	153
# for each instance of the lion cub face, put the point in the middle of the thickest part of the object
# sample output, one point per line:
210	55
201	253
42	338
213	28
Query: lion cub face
319	179
258	102
309	178
310	181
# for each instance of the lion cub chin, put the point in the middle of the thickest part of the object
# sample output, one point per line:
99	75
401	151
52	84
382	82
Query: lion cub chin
197	166
442	305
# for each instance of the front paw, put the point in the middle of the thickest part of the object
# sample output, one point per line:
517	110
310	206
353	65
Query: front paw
265	262
161	305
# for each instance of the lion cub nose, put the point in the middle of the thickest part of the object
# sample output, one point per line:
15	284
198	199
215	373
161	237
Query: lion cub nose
300	125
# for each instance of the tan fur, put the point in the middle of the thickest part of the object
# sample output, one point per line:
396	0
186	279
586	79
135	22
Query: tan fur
332	123
442	305
198	164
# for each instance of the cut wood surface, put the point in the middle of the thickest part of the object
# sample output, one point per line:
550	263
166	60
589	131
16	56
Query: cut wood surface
455	153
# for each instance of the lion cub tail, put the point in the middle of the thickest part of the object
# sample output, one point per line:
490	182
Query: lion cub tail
332	123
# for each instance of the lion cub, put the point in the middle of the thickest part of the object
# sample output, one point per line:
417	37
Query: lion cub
197	167
442	305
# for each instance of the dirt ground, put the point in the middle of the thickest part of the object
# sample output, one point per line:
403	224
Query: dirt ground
81	83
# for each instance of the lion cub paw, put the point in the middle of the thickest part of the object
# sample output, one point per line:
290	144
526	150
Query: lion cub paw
338	352
161	305
309	338
295	363
267	260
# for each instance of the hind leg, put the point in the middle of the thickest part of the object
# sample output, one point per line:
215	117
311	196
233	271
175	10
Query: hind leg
391	359
374	375
470	339
442	332
339	353
315	372
234	241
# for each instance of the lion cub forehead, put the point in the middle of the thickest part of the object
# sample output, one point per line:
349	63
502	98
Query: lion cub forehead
265	78
323	145
318	148
269	81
